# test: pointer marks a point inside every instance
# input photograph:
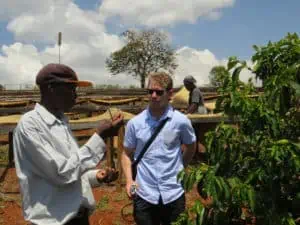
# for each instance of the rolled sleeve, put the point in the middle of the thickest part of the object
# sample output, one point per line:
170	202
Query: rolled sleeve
92	178
130	137
48	162
187	132
93	149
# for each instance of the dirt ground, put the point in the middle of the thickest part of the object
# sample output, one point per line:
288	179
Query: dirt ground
113	207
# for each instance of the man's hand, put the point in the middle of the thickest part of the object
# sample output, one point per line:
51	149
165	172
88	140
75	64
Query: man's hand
107	175
129	188
183	110
108	127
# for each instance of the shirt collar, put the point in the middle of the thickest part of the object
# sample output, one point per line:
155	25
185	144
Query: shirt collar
48	117
167	114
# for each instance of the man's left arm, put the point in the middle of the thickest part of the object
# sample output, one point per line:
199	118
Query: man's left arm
188	153
188	139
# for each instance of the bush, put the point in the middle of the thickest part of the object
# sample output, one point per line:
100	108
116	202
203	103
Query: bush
253	169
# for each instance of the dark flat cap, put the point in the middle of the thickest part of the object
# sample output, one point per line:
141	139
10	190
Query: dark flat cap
59	73
189	79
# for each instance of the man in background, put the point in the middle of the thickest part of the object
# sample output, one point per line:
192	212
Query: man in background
196	100
159	198
196	106
56	175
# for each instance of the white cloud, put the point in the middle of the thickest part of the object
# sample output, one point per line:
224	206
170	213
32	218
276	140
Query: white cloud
18	65
68	18
13	8
163	12
86	43
198	63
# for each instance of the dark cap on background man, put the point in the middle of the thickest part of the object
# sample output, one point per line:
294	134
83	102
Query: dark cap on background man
59	73
189	79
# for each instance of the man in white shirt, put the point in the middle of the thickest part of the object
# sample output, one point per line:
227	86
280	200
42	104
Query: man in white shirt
56	175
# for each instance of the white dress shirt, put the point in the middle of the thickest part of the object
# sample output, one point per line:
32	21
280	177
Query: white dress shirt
54	173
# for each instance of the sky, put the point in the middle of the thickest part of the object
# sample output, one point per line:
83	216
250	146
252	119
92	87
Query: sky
204	33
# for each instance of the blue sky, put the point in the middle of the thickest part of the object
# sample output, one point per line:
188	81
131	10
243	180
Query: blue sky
249	22
212	32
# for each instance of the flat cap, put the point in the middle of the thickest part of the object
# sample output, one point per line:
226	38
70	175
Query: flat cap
59	73
189	79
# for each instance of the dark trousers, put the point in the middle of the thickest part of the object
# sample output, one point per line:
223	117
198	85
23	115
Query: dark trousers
82	218
146	213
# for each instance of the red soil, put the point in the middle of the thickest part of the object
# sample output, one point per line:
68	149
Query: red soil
109	201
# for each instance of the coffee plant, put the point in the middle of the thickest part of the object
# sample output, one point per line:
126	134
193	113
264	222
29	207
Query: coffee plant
252	171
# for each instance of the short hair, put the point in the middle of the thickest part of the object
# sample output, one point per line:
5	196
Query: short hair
163	79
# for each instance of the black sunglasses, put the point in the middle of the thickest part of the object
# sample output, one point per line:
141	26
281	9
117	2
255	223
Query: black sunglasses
158	92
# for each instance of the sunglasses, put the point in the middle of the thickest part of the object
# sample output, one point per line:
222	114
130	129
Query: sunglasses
158	92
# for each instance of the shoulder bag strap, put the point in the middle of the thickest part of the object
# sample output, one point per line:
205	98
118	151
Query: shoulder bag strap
149	142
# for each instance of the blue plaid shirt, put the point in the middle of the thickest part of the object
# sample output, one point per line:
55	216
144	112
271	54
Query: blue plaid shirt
158	169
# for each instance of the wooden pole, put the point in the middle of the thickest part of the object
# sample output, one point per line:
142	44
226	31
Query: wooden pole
10	150
59	44
119	154
108	152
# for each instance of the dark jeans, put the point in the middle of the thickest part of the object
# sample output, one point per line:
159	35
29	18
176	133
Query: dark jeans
146	213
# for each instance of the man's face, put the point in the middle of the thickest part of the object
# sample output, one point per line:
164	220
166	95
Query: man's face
64	96
188	86
158	96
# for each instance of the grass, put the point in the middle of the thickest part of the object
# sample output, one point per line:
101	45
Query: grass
128	211
3	154
103	204
120	197
117	222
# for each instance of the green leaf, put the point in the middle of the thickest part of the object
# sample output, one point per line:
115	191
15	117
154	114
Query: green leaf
200	216
236	74
256	48
296	86
296	144
232	61
251	198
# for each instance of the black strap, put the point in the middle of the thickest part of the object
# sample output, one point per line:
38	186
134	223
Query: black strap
149	142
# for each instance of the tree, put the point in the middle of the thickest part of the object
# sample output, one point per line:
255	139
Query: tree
217	75
145	52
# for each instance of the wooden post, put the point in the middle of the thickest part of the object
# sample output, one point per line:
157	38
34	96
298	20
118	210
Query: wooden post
109	147
10	150
119	154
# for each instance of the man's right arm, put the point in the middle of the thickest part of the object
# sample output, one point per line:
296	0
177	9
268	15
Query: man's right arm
130	142
37	154
126	166
192	108
195	98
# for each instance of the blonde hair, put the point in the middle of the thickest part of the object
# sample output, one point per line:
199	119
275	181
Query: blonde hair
161	78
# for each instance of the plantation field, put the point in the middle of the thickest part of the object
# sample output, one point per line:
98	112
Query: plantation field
90	108
113	206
